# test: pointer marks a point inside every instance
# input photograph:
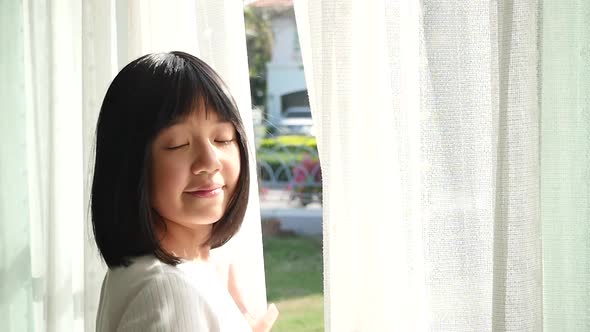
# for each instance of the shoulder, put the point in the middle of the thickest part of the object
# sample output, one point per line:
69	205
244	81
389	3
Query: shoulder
170	284
166	300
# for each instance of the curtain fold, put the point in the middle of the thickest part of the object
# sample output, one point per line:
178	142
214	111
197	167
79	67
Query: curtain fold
16	288
565	164
99	67
451	202
57	60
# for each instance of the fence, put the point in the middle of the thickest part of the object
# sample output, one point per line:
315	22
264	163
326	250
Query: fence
290	168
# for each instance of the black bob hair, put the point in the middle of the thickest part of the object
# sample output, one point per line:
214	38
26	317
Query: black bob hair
148	95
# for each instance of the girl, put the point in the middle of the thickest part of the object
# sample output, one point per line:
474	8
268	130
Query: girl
171	182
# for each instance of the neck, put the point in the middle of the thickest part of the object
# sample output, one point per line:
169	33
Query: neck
185	242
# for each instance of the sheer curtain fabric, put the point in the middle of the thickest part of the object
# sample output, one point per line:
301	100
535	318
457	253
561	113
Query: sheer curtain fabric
57	60
453	137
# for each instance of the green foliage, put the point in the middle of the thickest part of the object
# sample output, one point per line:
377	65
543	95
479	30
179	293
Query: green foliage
259	46
282	153
280	164
289	141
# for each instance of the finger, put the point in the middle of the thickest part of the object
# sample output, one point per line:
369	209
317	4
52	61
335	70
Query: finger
251	320
272	312
269	318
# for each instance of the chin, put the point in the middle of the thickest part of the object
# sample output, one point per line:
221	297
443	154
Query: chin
204	221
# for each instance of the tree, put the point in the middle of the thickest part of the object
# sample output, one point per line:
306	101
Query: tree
259	45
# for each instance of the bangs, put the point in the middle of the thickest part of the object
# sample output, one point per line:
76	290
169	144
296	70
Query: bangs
191	86
149	94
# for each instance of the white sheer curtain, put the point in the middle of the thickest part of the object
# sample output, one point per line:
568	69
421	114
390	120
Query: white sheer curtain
441	210
57	59
565	164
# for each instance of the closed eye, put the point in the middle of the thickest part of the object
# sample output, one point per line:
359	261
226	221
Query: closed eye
177	147
225	142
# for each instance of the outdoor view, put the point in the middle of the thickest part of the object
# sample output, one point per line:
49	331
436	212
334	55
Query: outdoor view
289	173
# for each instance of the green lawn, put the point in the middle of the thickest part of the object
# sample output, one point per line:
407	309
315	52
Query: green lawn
294	282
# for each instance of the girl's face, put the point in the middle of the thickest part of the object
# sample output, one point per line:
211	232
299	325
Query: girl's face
195	169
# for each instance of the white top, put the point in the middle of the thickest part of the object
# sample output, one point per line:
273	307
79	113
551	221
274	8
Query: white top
153	296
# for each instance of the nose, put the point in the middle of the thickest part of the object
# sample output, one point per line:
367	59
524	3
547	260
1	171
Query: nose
206	159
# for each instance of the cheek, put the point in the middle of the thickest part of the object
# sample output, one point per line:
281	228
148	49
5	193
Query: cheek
167	179
233	168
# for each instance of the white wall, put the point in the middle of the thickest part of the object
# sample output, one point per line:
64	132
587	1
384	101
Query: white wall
286	45
285	70
281	80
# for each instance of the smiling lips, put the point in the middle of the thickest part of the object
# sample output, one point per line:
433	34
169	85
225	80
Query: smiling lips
206	193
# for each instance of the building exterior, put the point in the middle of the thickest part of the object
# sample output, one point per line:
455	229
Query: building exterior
286	86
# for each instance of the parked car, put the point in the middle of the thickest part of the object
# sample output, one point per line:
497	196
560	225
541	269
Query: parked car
296	121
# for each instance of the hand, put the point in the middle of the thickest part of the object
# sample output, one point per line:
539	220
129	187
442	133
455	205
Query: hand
261	324
265	323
